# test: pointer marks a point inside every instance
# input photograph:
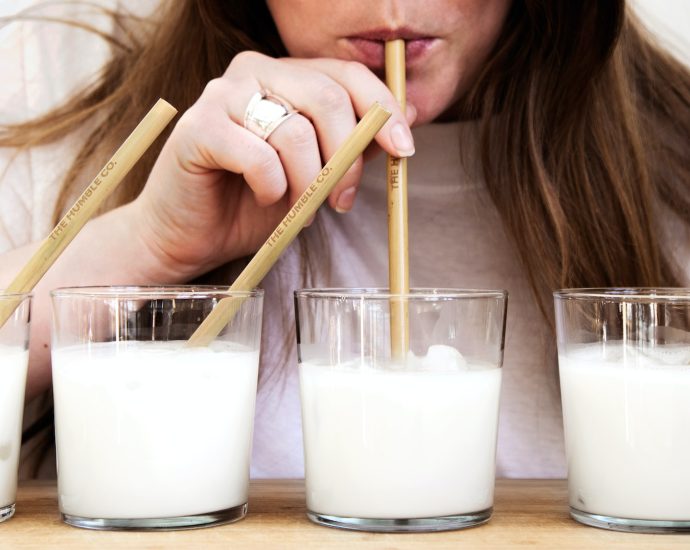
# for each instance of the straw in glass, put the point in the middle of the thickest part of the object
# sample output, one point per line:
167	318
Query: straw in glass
398	256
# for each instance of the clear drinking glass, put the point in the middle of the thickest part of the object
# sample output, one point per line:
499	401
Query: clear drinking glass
400	445
14	360
624	358
152	434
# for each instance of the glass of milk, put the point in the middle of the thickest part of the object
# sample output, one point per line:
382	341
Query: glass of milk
14	360
400	443
150	433
624	359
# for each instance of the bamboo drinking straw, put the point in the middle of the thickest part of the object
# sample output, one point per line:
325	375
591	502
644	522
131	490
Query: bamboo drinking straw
88	202
398	262
305	207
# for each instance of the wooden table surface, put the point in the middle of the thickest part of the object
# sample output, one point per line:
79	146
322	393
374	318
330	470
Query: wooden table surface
526	513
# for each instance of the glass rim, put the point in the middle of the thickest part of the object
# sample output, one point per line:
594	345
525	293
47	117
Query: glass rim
665	294
418	293
152	291
4	295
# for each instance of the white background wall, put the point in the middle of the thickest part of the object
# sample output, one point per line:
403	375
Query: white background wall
670	21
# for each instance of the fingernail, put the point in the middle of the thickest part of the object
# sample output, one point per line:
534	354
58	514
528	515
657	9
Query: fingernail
310	221
402	140
345	200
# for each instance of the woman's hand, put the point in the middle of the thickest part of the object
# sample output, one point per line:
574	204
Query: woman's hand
217	190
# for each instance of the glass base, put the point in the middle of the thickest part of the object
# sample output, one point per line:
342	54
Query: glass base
410	525
6	512
630	525
159	524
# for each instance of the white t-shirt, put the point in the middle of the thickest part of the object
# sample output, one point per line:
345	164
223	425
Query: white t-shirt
456	240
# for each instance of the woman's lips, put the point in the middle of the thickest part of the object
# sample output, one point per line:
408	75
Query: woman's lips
368	48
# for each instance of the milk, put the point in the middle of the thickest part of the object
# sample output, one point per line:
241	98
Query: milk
403	441
627	430
13	367
151	429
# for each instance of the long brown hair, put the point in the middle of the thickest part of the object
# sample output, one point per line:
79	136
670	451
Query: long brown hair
565	100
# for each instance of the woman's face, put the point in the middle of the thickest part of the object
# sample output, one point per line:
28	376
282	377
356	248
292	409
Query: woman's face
447	41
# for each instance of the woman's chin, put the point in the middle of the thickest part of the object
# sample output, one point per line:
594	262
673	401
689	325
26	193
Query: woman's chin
430	108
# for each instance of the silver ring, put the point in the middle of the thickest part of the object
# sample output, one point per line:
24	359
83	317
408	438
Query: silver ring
265	112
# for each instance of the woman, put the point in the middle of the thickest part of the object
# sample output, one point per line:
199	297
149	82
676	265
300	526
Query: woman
573	129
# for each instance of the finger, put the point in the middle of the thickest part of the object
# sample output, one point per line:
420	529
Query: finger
295	142
211	141
315	95
364	87
373	150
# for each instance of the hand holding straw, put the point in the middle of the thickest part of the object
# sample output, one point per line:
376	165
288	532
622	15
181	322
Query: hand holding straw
398	260
305	207
89	201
